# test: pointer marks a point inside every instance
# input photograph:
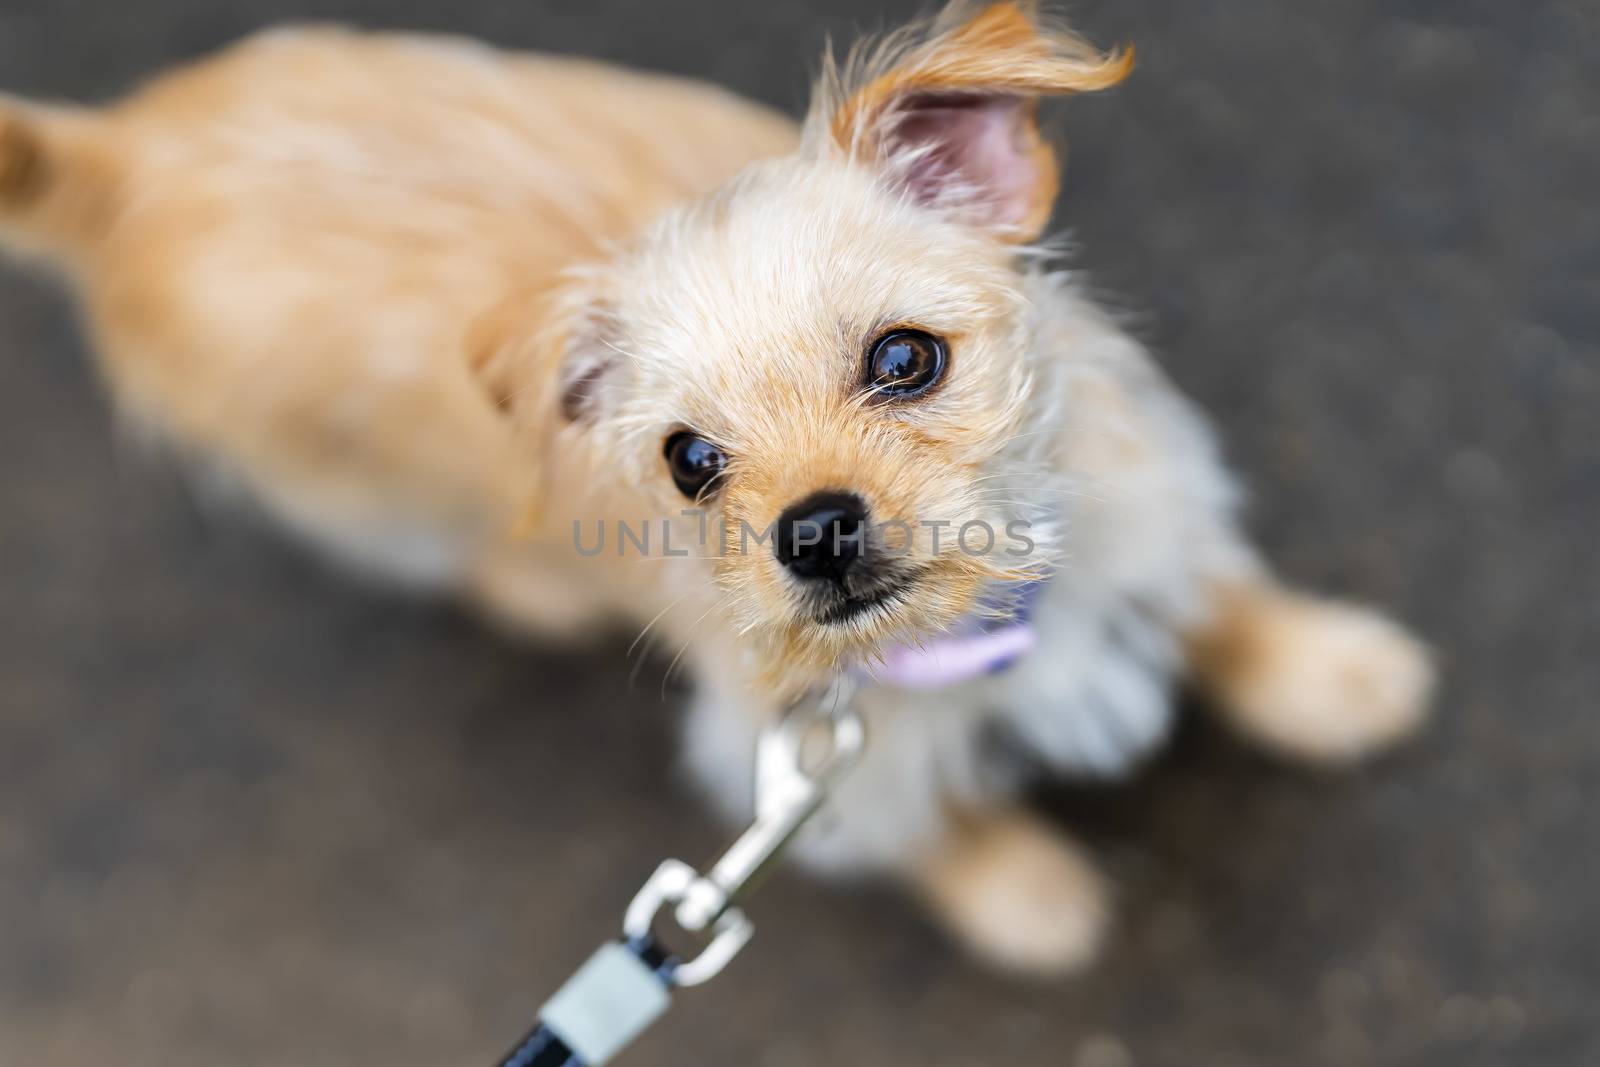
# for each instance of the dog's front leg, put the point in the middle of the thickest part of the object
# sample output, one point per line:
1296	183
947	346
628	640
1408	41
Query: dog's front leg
1017	892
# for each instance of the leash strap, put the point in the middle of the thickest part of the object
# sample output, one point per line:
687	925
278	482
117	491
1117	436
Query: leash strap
607	1003
628	984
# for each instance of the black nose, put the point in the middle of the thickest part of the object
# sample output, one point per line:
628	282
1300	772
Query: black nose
821	536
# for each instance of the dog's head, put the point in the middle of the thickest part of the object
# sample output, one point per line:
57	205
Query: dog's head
833	354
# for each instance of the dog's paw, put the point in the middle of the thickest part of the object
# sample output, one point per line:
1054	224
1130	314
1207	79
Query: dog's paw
1326	681
1019	896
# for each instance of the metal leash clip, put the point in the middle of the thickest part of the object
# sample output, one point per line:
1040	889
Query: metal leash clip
626	986
788	793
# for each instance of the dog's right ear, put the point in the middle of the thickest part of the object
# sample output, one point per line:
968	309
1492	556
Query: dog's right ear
545	358
590	362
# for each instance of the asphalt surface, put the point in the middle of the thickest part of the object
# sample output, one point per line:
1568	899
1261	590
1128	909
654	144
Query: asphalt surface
252	812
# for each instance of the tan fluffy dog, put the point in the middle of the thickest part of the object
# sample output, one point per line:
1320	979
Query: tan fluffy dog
434	304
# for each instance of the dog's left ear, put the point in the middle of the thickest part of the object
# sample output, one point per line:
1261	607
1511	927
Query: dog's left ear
950	112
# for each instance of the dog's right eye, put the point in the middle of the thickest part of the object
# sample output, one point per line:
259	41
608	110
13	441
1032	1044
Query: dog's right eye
694	462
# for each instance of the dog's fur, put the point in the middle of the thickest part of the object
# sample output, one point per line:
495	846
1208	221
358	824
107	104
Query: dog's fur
432	303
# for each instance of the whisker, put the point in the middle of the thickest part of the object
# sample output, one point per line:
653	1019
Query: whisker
688	639
647	627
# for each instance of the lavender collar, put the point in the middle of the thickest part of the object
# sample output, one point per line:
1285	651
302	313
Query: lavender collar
978	646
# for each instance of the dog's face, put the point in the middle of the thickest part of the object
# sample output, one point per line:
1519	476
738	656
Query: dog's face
833	355
828	369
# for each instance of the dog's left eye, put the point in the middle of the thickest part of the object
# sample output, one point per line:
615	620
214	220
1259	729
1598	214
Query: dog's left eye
904	363
694	462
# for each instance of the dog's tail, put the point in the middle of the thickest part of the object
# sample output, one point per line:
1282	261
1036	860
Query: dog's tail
56	193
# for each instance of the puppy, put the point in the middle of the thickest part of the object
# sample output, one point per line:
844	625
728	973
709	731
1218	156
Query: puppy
457	315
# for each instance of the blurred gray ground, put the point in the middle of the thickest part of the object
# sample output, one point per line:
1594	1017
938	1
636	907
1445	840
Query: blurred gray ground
253	813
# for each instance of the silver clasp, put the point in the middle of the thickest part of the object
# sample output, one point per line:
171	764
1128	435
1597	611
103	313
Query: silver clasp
787	794
670	884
